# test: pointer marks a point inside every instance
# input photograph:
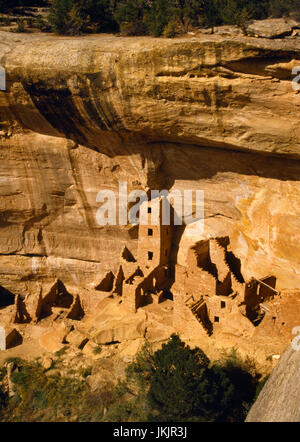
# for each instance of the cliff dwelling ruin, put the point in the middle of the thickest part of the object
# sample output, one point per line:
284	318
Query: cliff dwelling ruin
210	296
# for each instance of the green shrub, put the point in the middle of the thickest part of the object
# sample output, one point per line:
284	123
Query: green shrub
241	19
74	17
158	17
244	379
9	5
21	26
66	18
42	24
183	387
279	8
283	8
170	30
6	21
42	398
152	17
85	372
177	384
130	11
210	14
15	360
232	10
133	29
100	15
97	350
61	352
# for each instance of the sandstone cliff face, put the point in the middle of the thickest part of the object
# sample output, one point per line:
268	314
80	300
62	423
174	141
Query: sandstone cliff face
279	400
82	114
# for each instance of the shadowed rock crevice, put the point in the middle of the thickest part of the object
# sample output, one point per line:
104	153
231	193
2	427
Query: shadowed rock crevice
6	297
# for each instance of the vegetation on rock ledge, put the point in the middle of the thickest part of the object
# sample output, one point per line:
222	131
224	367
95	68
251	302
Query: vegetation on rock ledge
150	17
175	383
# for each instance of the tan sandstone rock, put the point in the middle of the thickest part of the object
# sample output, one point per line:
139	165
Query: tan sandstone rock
77	339
53	339
79	115
280	398
272	27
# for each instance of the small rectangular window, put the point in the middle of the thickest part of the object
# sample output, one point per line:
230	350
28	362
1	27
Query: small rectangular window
223	304
149	210
150	232
150	256
217	319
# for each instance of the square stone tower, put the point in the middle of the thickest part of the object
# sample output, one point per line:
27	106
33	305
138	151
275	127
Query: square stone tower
155	239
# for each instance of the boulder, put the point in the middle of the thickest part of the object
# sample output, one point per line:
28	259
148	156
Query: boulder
47	362
77	339
272	28
119	332
92	350
279	400
53	340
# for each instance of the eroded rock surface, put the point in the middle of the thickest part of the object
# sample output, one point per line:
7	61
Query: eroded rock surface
279	400
80	115
273	28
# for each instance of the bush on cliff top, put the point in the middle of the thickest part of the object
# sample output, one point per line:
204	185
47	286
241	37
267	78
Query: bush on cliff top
160	17
154	17
9	5
74	17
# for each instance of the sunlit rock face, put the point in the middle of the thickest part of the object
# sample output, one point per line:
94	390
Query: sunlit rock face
279	399
82	114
